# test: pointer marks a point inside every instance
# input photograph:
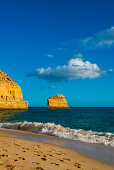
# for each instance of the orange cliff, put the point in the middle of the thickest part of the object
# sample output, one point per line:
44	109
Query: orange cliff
57	102
10	94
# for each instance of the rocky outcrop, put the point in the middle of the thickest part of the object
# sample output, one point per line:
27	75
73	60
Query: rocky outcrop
10	94
57	102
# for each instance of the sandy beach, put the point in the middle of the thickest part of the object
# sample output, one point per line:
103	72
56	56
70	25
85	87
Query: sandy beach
22	154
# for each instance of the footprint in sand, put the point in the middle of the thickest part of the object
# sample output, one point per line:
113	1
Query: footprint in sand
58	153
21	158
61	152
37	154
3	155
16	144
77	165
66	159
10	167
61	160
43	159
39	168
50	155
38	145
23	149
55	164
5	150
35	163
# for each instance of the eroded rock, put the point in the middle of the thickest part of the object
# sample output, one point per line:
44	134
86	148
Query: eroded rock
10	94
57	102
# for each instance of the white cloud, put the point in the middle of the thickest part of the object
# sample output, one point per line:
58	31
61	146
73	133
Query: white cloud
101	39
76	68
50	55
110	70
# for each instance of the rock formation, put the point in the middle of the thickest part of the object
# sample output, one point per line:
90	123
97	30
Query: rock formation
10	94
57	102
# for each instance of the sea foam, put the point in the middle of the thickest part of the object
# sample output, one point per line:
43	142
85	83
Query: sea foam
52	129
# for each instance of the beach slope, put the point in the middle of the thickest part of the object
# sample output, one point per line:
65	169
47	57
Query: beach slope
19	154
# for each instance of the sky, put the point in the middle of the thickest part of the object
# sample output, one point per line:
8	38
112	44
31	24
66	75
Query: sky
64	47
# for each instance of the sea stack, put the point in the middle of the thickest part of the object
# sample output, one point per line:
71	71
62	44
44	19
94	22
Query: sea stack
57	102
10	94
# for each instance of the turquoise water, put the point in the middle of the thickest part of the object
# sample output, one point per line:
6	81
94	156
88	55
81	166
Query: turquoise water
94	125
96	119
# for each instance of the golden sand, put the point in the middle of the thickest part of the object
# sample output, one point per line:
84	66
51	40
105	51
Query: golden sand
18	154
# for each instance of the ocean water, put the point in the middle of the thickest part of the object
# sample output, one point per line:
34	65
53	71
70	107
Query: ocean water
92	125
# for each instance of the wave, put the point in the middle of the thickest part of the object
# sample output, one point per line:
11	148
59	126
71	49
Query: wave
52	129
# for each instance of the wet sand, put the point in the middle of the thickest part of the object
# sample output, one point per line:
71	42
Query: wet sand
96	151
21	154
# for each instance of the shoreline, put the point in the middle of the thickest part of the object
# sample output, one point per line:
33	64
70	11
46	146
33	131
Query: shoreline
46	141
98	152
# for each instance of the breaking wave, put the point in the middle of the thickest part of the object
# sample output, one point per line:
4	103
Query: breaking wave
52	129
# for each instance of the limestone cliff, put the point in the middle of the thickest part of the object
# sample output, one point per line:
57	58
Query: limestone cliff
10	94
57	102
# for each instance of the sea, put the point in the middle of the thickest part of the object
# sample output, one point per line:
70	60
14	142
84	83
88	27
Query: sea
87	124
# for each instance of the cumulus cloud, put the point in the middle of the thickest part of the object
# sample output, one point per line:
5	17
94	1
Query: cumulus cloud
101	39
50	55
76	68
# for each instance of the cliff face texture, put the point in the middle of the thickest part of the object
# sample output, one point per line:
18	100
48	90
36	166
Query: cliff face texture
57	102
10	94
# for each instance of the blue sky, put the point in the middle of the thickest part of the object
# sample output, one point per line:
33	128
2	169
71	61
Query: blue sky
64	47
